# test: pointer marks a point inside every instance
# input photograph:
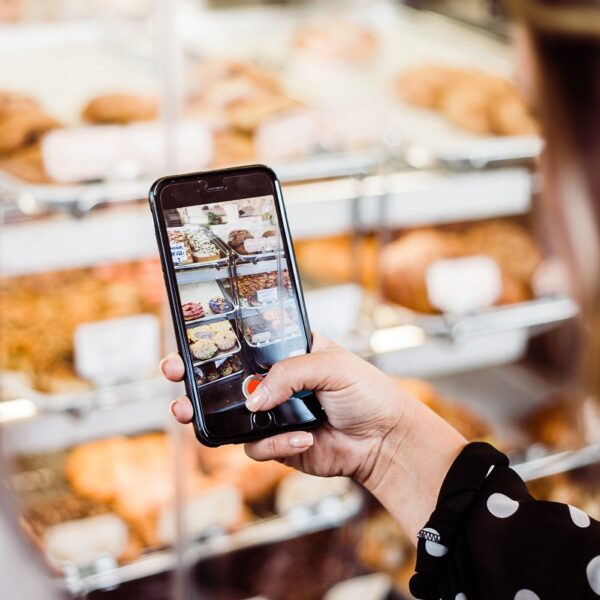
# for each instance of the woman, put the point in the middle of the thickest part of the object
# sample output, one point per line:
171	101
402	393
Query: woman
480	533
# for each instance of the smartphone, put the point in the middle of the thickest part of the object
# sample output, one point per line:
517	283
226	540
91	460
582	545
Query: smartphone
235	297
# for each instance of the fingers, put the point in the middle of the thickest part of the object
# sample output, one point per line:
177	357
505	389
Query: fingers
280	446
172	367
182	410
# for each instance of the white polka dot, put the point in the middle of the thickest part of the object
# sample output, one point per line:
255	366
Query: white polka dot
580	518
593	574
526	595
460	596
489	471
502	506
434	548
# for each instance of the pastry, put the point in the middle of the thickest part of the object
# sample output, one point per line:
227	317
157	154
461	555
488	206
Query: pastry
467	423
27	164
236	240
251	287
180	248
425	86
510	245
269	233
23	128
404	263
121	109
203	349
338	39
12	102
225	340
232	148
220	305
201	332
220	326
203	250
229	366
192	311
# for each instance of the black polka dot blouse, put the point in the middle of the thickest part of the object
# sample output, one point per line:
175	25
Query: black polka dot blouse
489	539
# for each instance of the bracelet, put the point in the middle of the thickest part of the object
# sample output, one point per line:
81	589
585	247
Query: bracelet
458	492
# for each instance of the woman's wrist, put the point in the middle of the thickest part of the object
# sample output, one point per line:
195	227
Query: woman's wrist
411	463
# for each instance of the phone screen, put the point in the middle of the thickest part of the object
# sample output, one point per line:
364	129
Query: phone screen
237	298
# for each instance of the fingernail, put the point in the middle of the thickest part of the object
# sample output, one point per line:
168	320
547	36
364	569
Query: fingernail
304	440
172	408
256	400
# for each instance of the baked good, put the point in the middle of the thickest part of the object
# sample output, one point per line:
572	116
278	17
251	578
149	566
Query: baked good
462	419
91	467
230	365
510	245
64	300
27	164
203	349
269	233
225	340
250	287
301	489
476	101
200	332
224	325
192	311
178	241
220	305
22	128
338	39
338	259
425	86
12	102
236	240
121	108
232	148
403	265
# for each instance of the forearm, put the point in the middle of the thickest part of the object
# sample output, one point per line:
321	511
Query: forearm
411	465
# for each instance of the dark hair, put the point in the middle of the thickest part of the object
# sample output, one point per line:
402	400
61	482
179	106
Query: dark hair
565	36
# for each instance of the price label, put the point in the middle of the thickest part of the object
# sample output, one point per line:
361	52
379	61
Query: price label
178	252
462	285
117	350
267	296
255	245
261	338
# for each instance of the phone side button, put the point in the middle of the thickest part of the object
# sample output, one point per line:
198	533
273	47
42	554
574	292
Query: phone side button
260	420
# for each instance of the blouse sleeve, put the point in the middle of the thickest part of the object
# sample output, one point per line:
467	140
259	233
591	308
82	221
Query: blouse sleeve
488	538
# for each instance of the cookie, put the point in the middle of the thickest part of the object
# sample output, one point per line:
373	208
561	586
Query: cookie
225	340
121	109
204	349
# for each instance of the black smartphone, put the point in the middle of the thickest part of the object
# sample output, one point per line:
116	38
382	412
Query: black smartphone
235	297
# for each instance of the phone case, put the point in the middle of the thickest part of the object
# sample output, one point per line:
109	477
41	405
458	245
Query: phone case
235	296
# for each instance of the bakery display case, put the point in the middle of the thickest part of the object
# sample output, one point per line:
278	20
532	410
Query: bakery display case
408	162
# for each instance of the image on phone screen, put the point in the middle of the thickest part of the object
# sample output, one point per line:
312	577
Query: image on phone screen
236	297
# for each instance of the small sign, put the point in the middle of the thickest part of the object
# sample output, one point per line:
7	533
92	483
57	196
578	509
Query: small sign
117	350
267	296
463	285
178	252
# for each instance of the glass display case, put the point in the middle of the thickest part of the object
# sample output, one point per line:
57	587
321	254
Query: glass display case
361	110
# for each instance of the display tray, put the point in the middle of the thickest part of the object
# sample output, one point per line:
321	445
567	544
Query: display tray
210	333
405	38
44	485
534	316
216	369
259	331
203	293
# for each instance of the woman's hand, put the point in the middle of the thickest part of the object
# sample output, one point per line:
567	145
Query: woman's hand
375	432
363	407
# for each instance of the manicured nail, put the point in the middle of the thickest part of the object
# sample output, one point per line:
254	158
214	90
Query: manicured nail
172	408
256	400
304	440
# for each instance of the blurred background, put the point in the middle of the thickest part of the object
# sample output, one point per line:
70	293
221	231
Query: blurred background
409	161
